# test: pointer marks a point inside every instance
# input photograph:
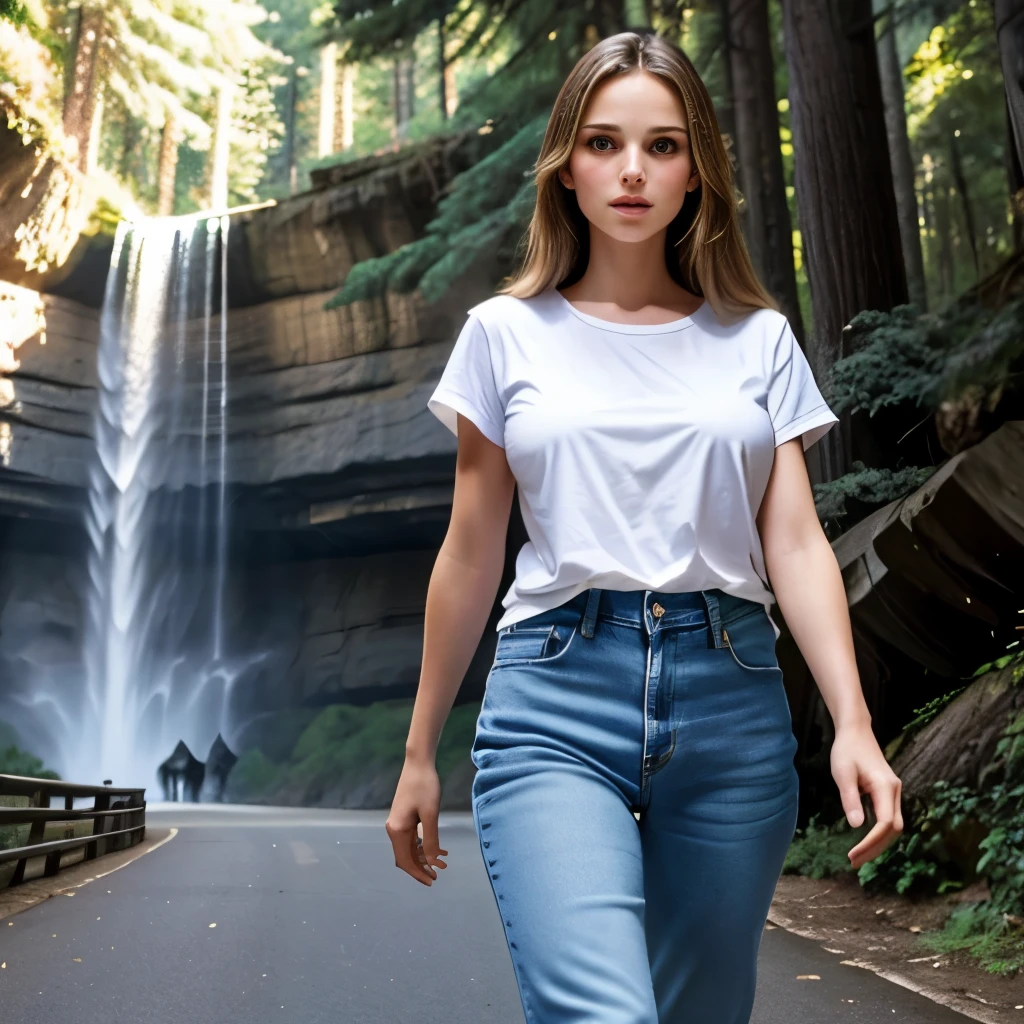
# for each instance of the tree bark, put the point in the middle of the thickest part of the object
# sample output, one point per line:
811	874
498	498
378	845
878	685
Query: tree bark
1015	177
891	74
442	70
80	101
943	232
289	127
960	179
767	226
167	167
844	190
1009	16
328	79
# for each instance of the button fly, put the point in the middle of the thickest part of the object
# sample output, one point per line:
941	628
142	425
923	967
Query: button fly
657	610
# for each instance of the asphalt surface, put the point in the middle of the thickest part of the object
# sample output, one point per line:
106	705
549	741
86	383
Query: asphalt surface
314	923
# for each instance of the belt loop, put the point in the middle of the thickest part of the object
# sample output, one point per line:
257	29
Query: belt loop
714	618
590	615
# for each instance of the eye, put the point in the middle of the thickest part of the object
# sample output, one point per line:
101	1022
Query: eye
661	152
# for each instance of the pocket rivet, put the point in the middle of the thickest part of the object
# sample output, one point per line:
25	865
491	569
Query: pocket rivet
725	635
657	610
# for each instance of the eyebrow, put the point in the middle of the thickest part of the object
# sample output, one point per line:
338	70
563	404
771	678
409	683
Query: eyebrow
616	128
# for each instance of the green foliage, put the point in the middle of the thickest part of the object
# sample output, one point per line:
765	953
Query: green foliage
483	204
956	120
13	11
927	359
928	711
869	485
18	762
929	854
346	745
820	851
921	854
985	932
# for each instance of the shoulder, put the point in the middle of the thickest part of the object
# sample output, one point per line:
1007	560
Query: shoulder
505	311
765	324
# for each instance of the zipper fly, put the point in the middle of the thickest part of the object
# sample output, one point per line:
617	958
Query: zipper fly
647	679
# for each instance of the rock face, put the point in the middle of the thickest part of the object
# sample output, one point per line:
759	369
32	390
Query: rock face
340	480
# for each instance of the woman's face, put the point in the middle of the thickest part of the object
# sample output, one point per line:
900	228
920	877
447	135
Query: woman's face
632	141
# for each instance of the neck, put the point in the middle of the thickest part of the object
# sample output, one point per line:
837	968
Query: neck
631	275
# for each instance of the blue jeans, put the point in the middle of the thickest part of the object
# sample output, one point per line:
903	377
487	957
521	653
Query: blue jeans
618	703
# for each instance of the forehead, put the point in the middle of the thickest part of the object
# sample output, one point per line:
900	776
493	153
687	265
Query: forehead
635	98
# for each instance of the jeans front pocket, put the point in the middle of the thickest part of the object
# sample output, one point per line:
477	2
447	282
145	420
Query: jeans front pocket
521	644
751	641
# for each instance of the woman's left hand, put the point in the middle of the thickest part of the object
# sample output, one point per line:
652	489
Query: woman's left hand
859	766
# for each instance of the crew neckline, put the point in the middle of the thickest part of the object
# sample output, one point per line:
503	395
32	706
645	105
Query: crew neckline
610	325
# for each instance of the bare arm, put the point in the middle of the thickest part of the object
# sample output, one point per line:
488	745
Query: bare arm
463	584
808	584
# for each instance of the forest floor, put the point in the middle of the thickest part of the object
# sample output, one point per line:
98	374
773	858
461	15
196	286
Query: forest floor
881	932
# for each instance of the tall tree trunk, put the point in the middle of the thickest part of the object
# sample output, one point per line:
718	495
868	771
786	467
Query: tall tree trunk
346	112
328	80
409	69
768	229
219	184
403	100
1015	176
960	179
943	231
289	126
130	136
1010	37
844	191
167	167
92	156
726	109
80	100
891	74
442	69
343	126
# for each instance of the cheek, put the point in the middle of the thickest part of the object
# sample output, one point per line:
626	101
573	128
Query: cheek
590	181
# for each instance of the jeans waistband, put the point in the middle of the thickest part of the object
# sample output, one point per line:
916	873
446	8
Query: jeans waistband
694	608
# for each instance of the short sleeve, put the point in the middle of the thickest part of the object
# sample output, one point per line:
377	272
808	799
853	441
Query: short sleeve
795	404
467	385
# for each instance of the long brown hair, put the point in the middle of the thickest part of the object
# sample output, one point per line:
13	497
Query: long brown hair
704	248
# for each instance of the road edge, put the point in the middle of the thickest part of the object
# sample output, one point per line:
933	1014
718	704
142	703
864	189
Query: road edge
35	891
967	1007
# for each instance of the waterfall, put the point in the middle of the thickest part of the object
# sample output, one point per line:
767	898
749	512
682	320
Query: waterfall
157	517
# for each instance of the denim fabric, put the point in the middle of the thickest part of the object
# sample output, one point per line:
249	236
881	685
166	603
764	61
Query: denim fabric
600	708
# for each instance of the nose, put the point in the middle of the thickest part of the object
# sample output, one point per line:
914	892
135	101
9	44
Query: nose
632	171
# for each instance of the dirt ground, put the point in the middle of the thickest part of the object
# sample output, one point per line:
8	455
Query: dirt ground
880	933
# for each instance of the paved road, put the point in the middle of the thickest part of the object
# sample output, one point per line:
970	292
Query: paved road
315	924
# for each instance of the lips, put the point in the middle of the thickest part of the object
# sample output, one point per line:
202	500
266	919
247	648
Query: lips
629	201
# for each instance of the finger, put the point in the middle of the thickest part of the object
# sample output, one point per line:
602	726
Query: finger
884	794
431	846
404	844
845	775
418	855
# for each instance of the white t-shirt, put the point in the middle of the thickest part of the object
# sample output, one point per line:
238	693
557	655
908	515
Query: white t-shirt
641	451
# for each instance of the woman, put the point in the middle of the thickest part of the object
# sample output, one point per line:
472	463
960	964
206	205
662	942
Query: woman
636	793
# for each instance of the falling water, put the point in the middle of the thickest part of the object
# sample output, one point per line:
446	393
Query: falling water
154	633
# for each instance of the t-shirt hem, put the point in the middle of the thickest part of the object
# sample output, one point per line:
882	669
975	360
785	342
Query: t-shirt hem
820	416
455	402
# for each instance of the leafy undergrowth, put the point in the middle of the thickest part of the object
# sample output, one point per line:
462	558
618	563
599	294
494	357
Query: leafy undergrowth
924	860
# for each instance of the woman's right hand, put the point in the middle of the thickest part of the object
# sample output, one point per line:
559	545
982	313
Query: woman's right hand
417	799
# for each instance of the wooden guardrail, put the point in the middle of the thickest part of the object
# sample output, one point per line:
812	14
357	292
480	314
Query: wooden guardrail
115	825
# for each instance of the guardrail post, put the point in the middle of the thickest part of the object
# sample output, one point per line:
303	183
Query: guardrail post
99	823
35	835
